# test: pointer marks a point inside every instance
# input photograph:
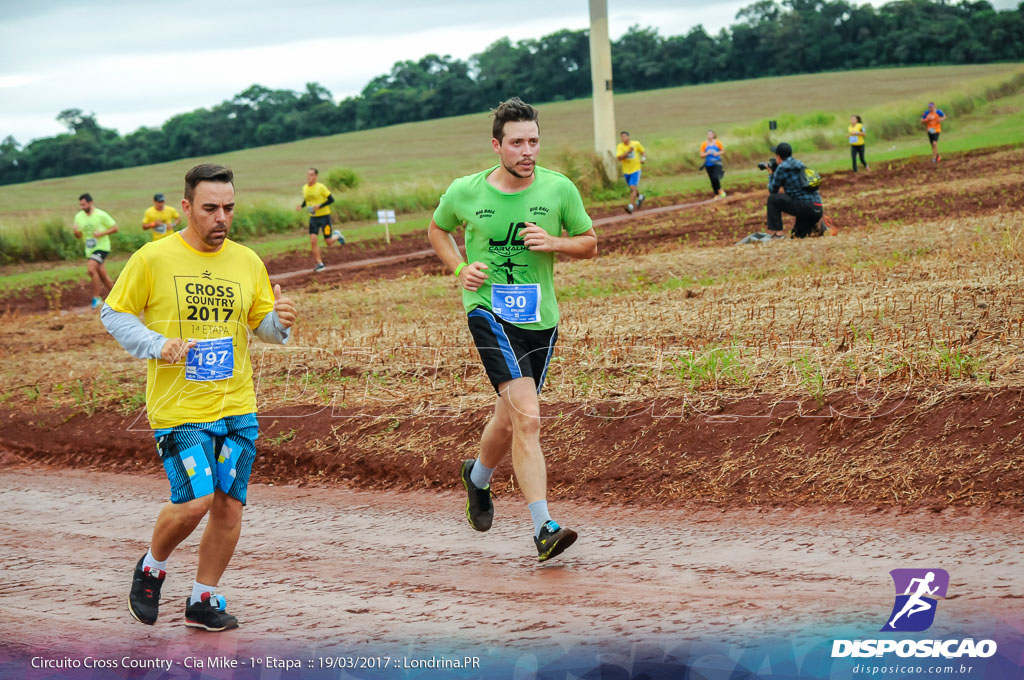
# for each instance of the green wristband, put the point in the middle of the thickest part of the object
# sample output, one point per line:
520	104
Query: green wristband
459	268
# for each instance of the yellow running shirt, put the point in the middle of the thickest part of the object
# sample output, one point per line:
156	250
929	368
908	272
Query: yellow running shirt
853	134
630	163
315	195
167	216
188	294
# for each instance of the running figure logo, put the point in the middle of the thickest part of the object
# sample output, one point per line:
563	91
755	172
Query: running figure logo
508	265
917	595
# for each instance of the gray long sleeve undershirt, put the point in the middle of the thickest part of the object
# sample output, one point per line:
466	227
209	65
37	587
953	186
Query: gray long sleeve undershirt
143	343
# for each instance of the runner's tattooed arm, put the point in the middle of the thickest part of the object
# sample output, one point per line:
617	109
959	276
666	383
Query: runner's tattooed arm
132	334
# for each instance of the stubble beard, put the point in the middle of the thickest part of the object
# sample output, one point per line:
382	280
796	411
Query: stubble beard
512	171
209	240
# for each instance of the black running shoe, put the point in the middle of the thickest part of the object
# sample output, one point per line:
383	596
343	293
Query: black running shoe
553	540
479	507
209	613
144	598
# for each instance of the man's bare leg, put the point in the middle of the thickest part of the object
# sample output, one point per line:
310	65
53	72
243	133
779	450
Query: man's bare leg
175	523
219	538
315	247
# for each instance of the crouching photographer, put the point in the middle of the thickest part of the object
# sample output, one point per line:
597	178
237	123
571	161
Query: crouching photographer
797	196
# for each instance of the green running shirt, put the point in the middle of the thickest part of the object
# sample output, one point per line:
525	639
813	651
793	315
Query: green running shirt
493	221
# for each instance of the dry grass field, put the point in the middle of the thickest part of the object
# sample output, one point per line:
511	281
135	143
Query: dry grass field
879	366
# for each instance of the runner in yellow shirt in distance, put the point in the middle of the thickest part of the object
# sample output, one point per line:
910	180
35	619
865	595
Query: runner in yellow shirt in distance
632	155
316	199
161	218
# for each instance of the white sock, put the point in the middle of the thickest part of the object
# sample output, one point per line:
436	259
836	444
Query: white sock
197	591
153	563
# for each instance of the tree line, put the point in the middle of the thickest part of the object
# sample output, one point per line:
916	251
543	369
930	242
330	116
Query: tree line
768	39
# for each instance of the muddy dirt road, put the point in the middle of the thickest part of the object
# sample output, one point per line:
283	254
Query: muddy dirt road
329	566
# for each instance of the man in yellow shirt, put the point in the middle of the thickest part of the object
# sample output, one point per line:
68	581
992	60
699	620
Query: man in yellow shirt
201	294
632	155
317	198
161	218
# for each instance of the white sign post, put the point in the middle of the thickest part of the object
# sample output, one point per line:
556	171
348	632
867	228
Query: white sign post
386	217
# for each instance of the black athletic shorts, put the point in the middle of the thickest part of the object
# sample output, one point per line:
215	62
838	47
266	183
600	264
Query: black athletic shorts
508	351
318	223
933	136
99	255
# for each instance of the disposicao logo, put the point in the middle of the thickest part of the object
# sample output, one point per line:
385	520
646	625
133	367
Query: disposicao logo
918	592
917	596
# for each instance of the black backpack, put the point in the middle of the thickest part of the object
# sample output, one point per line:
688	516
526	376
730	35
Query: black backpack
810	180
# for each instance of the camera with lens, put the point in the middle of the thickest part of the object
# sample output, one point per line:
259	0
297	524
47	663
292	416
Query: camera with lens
770	165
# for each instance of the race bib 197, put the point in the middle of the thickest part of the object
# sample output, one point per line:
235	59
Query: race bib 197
212	359
516	303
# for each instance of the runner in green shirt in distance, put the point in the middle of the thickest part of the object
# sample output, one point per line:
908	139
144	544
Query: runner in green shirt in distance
95	226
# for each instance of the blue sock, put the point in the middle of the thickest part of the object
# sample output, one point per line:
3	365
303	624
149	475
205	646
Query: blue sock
153	563
480	475
540	515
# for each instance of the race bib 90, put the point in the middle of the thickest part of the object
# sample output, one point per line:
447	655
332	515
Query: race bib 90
516	303
212	359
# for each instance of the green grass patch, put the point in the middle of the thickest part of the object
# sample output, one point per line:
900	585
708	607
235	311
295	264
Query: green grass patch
713	367
407	167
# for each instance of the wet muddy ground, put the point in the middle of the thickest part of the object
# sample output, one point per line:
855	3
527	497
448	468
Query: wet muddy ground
333	566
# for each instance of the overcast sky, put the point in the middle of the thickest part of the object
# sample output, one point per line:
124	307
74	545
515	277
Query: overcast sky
137	62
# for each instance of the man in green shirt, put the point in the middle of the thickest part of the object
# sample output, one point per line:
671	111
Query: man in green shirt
515	214
95	226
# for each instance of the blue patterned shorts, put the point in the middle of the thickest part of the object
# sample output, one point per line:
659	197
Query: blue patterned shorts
201	457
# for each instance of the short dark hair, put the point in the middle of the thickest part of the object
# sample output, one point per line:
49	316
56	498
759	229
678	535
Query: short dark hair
513	110
316	172
624	132
784	150
86	197
206	172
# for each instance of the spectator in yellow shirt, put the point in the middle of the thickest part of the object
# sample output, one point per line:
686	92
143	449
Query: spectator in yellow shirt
855	135
161	218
